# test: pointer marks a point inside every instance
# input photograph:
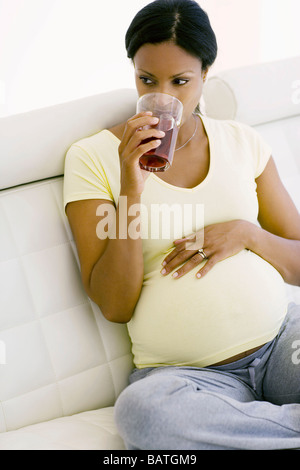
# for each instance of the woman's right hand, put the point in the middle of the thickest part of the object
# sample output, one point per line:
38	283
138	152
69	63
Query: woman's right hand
131	149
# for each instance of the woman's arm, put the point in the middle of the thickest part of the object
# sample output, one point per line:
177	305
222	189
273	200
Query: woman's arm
277	240
112	268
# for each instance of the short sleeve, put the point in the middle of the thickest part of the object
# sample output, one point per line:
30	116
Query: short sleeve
260	149
91	169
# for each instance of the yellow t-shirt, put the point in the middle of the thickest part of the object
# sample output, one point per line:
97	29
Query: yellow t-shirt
241	303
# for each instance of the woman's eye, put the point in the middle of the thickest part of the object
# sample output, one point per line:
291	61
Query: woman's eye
176	81
180	81
146	80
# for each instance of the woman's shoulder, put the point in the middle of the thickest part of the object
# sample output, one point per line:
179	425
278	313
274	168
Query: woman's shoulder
101	140
225	124
100	148
231	129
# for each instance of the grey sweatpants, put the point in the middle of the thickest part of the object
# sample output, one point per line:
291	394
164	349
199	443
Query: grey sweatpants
253	403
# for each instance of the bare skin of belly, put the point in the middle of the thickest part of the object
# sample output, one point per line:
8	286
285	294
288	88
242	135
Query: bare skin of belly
237	357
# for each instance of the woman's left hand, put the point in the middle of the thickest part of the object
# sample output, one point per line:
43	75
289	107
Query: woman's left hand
218	241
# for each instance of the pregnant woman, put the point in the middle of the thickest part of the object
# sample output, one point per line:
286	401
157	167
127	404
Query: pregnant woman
206	309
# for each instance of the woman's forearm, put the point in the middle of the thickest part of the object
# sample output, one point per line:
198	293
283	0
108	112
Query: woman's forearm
117	277
282	253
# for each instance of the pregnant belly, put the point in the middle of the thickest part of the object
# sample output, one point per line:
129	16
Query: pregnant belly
239	305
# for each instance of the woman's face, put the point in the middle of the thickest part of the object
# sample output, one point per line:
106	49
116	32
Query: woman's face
167	68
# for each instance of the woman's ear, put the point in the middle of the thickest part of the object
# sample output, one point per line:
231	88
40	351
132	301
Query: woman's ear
204	74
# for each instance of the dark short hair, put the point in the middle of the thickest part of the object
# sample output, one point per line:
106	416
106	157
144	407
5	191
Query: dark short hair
180	21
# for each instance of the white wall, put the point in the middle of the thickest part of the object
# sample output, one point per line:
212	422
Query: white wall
53	51
280	29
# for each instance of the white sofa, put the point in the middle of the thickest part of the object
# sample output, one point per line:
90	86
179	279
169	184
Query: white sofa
62	365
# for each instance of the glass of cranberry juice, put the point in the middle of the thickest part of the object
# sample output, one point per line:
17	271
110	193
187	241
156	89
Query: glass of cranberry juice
169	111
160	158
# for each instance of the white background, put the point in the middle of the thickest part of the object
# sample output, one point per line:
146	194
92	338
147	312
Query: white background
52	51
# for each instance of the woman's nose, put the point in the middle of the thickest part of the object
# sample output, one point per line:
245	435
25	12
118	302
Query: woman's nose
163	87
166	90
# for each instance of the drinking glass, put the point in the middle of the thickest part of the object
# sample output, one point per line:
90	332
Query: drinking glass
169	111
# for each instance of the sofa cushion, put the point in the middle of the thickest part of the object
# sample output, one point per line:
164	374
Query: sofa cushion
255	94
284	138
33	144
61	355
90	430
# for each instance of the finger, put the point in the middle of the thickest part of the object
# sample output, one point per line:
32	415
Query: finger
188	244
210	263
136	122
141	142
145	134
189	265
192	242
181	240
173	254
180	258
144	148
130	161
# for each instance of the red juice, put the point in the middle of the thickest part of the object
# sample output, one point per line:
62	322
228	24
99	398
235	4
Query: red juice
160	158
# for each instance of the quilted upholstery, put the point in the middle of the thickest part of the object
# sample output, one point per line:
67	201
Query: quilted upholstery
62	356
255	94
59	357
62	365
90	430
